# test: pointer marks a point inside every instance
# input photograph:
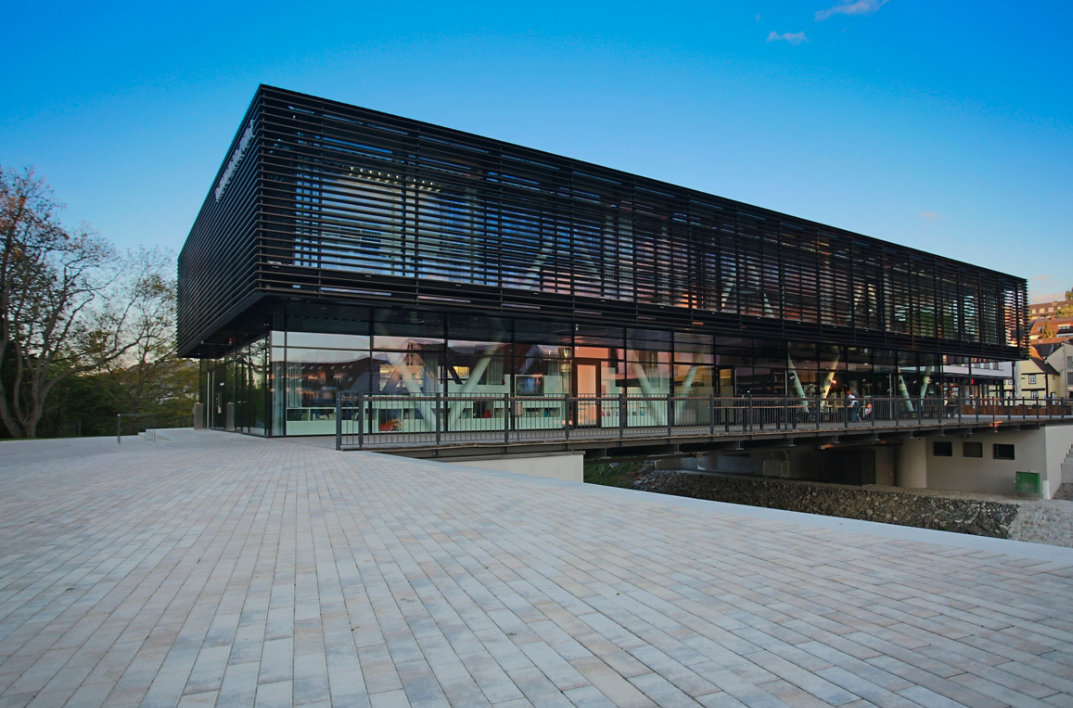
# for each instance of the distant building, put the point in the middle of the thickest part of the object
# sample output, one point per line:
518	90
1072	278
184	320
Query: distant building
1046	373
1036	378
1047	309
1051	329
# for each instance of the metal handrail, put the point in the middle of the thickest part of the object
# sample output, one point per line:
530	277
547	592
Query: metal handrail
150	429
378	420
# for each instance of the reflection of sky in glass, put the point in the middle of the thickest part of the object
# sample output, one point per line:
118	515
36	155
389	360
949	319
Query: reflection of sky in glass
330	341
476	347
406	343
324	356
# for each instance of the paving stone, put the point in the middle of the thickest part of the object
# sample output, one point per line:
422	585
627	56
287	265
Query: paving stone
213	568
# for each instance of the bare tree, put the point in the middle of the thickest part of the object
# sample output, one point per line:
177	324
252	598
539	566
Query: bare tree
149	371
54	320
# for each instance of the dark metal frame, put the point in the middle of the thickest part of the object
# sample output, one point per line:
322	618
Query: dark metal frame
324	201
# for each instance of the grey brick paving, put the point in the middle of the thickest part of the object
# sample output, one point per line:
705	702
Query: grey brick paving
215	569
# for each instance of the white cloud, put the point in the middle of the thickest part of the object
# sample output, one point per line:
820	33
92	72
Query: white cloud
851	7
794	38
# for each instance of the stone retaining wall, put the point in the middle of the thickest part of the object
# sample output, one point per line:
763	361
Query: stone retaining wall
944	513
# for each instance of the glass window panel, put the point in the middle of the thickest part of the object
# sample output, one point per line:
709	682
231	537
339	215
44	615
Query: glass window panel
477	328
770	354
733	351
327	341
648	339
399	329
694	357
599	336
693	379
476	373
1002	451
543	332
337	319
544	376
692	342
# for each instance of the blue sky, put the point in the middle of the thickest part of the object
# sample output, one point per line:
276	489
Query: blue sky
945	126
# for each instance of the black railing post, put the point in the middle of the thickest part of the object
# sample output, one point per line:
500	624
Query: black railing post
670	413
339	421
622	412
711	414
506	419
361	420
119	428
566	417
441	419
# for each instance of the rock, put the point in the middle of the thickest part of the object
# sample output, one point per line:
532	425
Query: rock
980	517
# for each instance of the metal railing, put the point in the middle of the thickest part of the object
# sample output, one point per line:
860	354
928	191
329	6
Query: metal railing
369	421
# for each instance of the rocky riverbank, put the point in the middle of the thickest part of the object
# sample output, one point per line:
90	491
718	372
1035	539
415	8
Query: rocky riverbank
1034	520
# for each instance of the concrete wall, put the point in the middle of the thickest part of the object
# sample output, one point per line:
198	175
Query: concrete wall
1059	440
984	474
886	468
566	466
1041	451
911	464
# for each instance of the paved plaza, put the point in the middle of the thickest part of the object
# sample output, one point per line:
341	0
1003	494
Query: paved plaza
208	568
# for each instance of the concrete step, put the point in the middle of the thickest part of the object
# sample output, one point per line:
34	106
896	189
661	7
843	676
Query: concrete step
1064	491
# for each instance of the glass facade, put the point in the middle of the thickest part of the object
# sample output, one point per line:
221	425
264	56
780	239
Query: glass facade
286	382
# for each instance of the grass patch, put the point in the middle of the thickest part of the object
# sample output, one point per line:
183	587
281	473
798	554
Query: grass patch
614	473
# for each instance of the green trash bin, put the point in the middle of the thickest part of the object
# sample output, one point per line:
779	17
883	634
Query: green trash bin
1027	484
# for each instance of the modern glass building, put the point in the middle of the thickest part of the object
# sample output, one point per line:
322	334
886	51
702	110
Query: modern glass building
345	250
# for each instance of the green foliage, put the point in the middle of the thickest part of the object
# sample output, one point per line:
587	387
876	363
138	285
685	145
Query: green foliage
614	473
80	405
87	404
1067	309
84	331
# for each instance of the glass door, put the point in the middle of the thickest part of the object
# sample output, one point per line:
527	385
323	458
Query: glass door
587	385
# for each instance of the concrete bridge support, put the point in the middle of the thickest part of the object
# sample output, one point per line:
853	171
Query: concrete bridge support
911	464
